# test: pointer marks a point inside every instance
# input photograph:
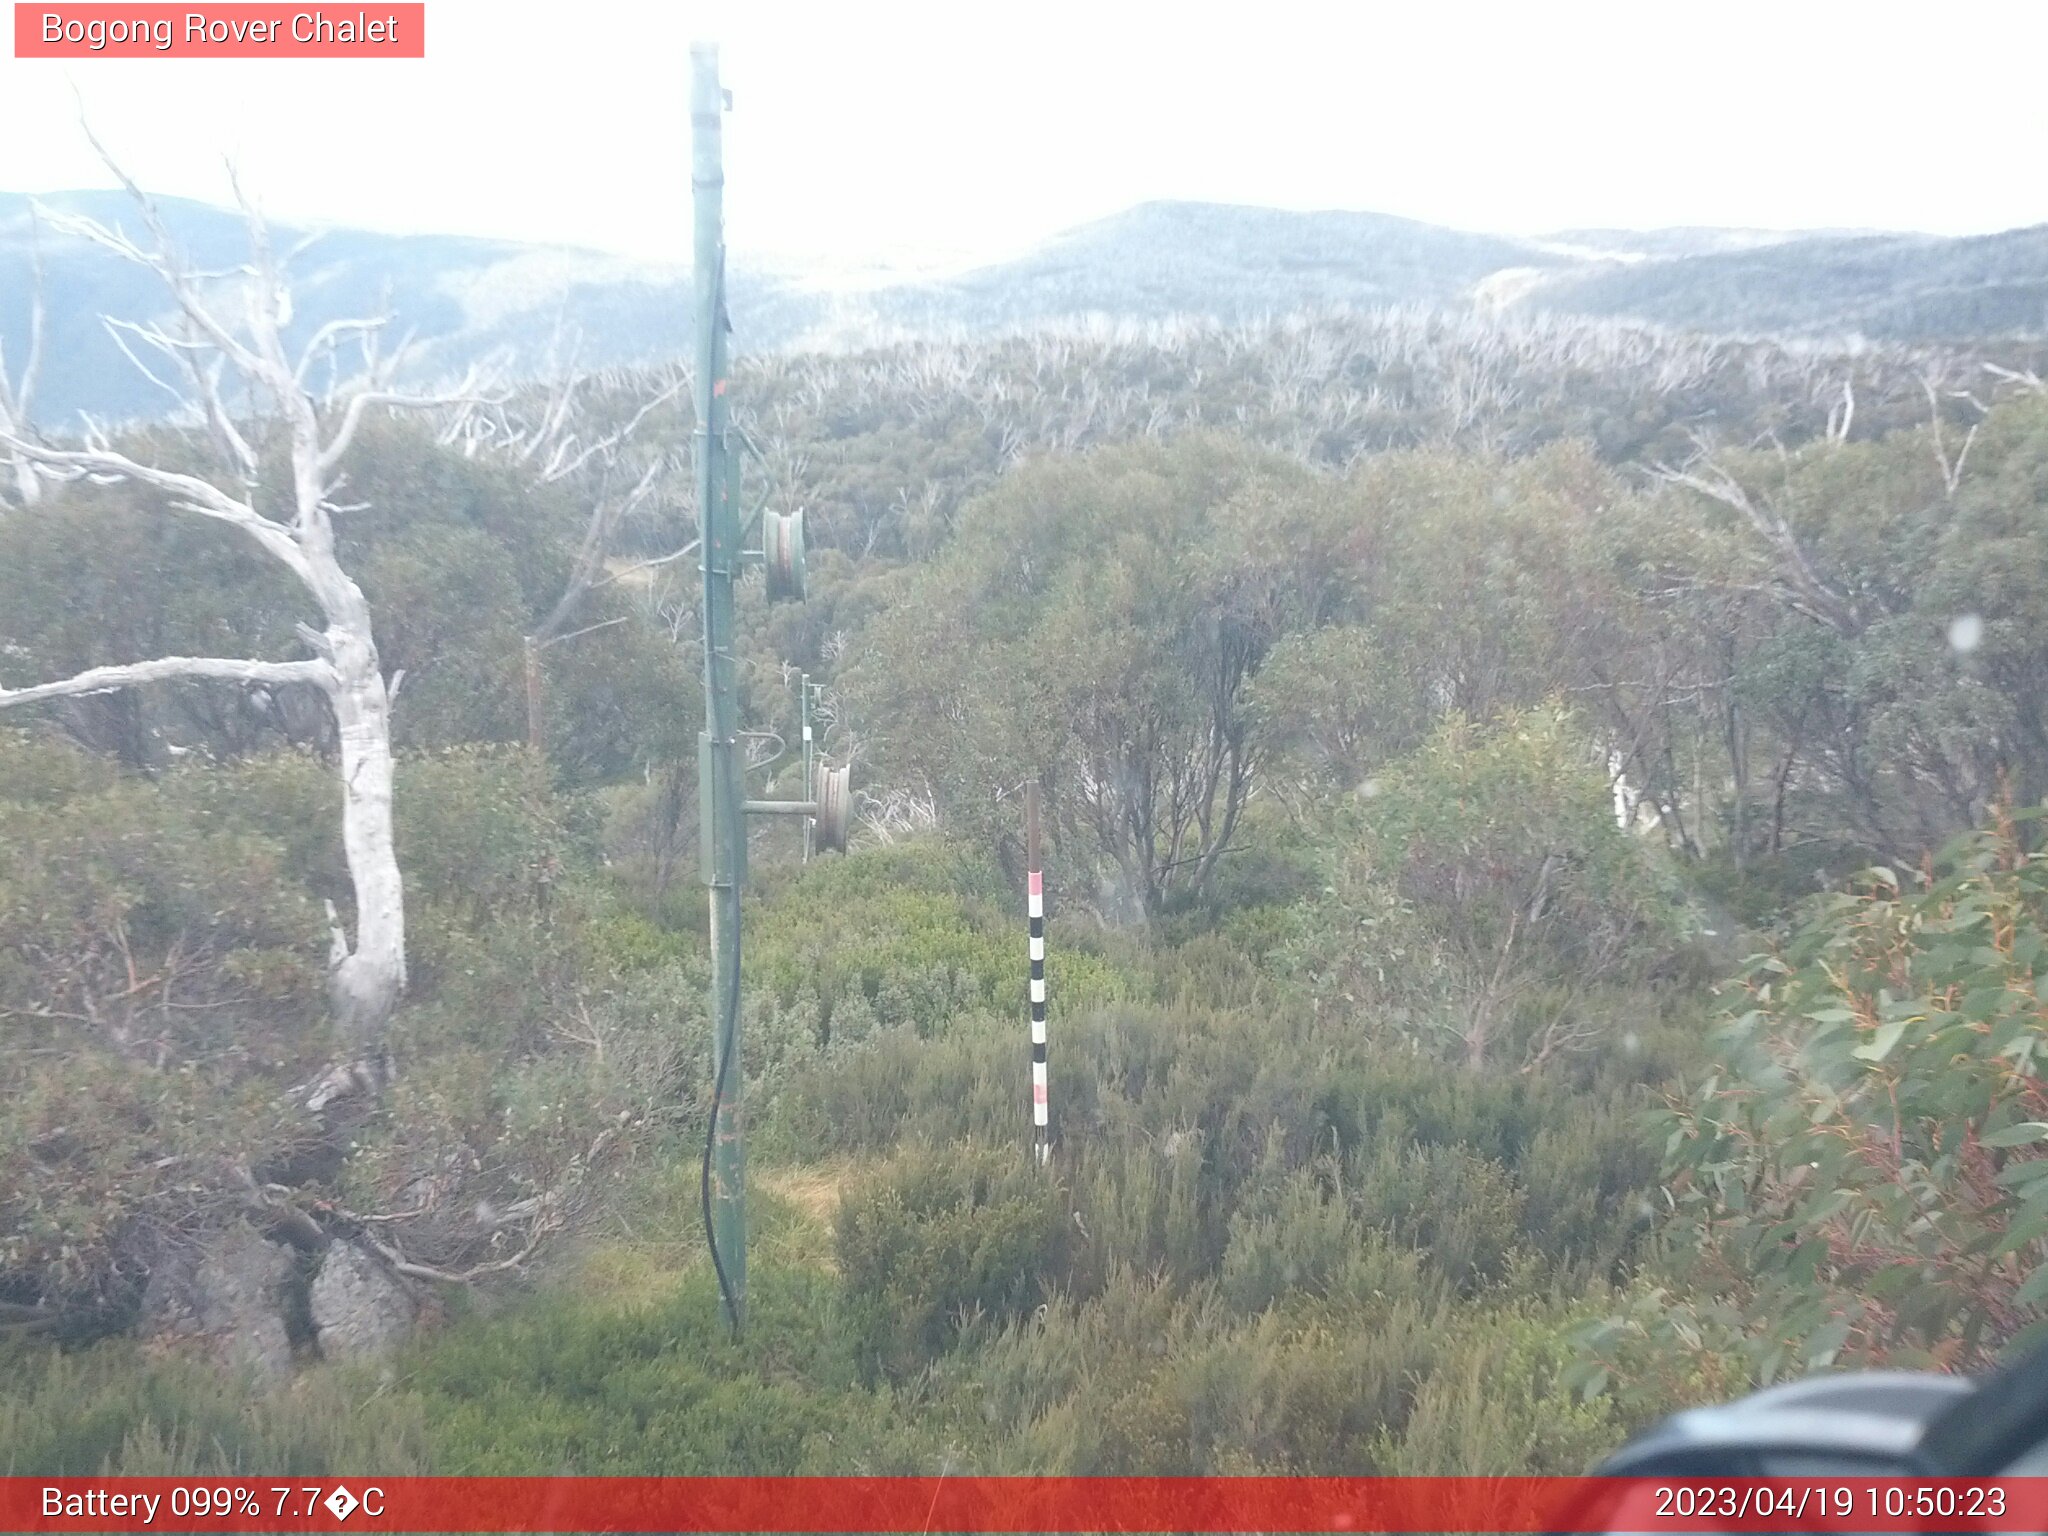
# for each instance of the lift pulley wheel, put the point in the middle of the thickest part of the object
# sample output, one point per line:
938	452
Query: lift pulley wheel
782	554
833	791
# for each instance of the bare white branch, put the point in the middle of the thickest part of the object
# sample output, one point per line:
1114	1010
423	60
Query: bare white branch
206	379
330	336
584	574
648	565
193	494
1796	568
2027	381
38	316
163	259
588	629
605	445
119	330
1951	469
171	669
468	392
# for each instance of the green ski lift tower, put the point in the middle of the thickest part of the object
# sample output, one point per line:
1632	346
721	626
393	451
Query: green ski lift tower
721	759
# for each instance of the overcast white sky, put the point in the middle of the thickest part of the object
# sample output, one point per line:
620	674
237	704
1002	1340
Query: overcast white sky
870	129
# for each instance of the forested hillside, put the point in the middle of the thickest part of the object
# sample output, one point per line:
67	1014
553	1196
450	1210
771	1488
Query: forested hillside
1547	917
538	310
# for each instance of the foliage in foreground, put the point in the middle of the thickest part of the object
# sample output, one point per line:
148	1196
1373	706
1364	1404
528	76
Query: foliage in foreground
1353	1171
1865	1164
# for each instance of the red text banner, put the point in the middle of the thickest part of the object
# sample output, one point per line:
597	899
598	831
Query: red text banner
1022	1504
240	31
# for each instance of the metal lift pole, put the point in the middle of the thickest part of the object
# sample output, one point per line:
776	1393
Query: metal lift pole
720	789
804	710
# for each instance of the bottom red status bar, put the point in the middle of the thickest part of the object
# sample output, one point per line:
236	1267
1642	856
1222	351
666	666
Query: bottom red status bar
1022	1504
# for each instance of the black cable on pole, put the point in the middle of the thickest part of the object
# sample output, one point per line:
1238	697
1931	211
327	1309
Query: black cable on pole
727	1028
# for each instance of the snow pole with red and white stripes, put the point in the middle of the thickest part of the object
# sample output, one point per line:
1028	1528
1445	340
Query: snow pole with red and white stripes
1041	1123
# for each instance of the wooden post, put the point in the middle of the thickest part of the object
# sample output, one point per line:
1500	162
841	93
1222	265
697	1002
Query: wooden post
536	723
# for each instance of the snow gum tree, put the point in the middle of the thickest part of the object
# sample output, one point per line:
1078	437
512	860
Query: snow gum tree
226	339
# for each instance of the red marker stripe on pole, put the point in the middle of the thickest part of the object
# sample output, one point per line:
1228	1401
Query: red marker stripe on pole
1041	1119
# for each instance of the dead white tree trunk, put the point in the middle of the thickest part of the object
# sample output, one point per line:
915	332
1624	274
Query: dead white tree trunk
17	397
1803	586
366	975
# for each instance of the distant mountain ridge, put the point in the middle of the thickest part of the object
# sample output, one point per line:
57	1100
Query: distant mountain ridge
1891	287
463	298
460	298
1690	240
1161	258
